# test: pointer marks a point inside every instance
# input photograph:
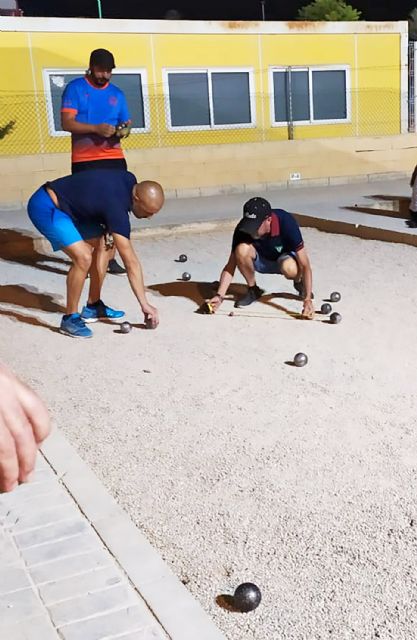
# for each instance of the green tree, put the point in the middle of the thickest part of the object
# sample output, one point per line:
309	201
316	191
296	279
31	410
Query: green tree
332	10
6	129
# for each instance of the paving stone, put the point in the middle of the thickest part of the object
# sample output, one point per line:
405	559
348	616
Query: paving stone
70	566
8	552
61	549
12	578
80	584
150	633
39	628
37	519
92	604
16	606
41	463
43	474
178	611
28	491
27	506
106	626
51	533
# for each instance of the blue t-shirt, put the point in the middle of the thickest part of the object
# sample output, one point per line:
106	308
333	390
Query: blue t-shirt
95	105
102	196
285	236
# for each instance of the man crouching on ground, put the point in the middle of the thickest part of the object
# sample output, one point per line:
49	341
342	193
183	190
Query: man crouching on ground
74	213
267	241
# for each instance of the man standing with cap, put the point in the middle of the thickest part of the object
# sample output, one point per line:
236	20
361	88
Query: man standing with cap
267	240
96	114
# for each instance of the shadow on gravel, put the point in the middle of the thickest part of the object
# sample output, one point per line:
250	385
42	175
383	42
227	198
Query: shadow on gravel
198	292
195	291
226	602
29	298
20	317
19	246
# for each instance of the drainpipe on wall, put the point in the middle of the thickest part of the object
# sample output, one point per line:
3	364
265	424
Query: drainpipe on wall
100	13
412	87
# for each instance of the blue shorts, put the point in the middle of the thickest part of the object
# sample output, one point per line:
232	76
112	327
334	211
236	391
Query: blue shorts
263	265
56	225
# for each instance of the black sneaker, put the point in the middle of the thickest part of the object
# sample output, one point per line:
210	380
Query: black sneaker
253	294
299	287
115	268
412	223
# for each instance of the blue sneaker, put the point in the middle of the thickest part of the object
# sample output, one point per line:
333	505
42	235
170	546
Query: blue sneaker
98	311
73	325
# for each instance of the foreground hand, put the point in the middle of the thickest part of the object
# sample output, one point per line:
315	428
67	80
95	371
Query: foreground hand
151	316
215	302
24	424
105	130
308	310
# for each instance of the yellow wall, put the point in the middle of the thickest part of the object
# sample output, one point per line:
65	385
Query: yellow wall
374	60
378	88
214	169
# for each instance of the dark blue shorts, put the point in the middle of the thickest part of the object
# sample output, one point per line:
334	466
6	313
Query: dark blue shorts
56	225
262	265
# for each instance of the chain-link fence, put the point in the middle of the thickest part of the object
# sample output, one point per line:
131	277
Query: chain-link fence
30	123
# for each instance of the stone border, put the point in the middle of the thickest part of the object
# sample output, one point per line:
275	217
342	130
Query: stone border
257	187
303	183
177	611
322	224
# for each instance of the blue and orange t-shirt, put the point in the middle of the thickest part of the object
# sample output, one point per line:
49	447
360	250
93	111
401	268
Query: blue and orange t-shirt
285	236
95	105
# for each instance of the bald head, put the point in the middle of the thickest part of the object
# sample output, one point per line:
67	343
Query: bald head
148	198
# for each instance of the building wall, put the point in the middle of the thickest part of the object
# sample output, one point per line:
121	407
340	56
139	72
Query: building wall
375	54
214	169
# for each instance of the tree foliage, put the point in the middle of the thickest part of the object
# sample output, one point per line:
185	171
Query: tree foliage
332	10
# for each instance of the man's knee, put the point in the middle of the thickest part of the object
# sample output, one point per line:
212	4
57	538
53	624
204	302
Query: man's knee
289	268
83	259
244	251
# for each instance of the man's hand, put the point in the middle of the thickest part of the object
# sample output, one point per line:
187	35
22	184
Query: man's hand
308	310
24	424
105	130
151	315
123	130
215	302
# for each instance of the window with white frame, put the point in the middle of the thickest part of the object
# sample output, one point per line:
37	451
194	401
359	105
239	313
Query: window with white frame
313	95
132	82
209	98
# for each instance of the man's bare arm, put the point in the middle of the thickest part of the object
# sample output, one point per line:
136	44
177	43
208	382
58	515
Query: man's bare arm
135	275
307	275
226	278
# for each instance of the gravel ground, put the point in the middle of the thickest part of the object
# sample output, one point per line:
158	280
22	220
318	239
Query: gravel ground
237	466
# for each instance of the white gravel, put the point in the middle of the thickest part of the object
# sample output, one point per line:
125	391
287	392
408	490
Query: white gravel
237	466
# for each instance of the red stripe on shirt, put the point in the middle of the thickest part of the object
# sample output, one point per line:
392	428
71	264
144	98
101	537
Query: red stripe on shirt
275	228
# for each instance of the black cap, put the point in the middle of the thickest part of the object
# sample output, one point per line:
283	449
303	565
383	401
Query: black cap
255	211
102	58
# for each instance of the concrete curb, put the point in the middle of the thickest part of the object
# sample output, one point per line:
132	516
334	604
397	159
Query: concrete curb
178	193
172	605
327	225
357	230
